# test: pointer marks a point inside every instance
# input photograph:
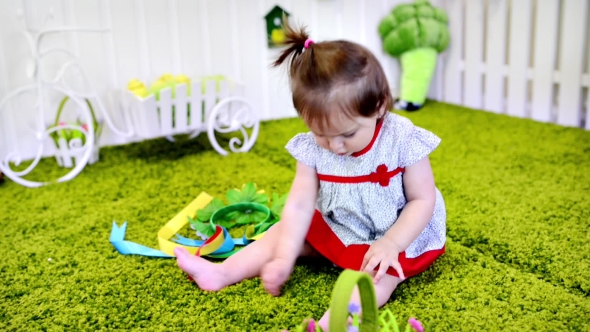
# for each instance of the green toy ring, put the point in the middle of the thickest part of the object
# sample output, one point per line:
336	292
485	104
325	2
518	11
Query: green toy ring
252	230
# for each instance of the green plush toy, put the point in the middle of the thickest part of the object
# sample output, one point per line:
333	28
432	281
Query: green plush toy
415	33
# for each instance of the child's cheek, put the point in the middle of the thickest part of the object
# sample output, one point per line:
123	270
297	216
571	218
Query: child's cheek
363	140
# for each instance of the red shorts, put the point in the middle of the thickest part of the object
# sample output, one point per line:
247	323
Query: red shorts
323	240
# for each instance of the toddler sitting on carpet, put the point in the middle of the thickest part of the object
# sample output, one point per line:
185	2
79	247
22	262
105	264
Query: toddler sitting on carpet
363	195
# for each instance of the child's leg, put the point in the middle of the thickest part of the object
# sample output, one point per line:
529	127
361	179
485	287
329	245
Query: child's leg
244	264
383	291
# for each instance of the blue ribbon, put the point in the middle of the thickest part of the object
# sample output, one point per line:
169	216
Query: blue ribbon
241	241
185	241
124	247
131	248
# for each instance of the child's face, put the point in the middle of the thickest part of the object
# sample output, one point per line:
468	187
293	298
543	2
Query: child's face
345	136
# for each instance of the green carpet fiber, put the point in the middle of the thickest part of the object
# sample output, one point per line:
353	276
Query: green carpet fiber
518	200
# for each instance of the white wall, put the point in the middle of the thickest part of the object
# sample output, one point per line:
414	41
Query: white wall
204	37
525	58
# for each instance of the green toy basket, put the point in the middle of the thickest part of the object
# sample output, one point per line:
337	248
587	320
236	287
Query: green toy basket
344	317
339	307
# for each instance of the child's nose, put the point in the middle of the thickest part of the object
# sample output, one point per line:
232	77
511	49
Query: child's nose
336	144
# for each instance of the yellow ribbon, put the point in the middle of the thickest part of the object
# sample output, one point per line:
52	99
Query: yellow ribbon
179	221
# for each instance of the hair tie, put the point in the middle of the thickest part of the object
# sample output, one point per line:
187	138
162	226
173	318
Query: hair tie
308	42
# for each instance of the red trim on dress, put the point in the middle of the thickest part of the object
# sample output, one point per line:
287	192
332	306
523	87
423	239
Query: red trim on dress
381	176
321	237
368	147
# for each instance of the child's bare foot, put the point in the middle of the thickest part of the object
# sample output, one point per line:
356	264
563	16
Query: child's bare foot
274	274
207	275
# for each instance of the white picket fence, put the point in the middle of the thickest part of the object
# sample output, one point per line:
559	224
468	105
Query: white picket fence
525	58
69	155
168	115
210	107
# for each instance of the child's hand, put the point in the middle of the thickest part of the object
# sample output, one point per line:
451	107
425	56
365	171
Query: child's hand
384	252
275	273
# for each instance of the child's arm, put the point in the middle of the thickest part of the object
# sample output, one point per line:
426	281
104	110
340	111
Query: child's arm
298	212
296	218
420	193
421	196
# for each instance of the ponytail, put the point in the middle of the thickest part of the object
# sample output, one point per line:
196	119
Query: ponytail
296	40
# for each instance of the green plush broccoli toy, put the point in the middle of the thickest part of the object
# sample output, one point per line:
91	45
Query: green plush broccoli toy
415	33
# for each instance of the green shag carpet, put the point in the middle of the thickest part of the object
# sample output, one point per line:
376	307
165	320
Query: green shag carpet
518	199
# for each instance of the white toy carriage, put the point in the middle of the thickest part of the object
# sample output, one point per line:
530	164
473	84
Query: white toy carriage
203	105
211	105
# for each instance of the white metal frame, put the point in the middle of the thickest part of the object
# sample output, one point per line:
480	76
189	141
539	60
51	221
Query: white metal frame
82	152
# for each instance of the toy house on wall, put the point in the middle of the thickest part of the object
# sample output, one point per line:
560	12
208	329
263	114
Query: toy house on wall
274	26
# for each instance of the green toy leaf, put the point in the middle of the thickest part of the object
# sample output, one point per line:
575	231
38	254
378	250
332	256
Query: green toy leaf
205	214
277	205
248	194
248	217
243	219
201	227
226	223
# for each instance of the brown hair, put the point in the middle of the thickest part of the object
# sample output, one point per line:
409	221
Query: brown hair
333	76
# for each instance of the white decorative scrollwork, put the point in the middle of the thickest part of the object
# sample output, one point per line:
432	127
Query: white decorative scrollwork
233	114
